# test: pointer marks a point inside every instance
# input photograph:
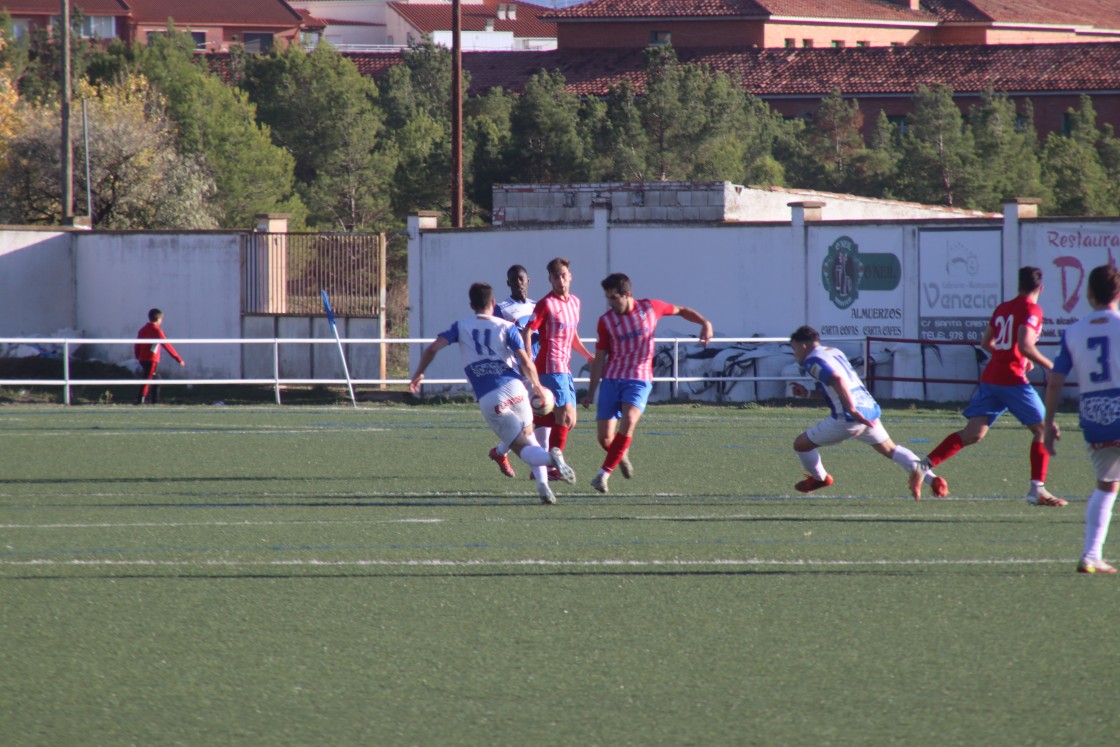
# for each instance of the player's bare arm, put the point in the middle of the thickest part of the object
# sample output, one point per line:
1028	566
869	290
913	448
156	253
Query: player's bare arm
528	370
579	347
696	318
1053	397
845	396
597	365
1027	339
426	359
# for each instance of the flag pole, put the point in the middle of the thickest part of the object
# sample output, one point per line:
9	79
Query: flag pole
341	354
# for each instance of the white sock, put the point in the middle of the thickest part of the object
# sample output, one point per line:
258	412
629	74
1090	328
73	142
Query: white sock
907	459
535	456
811	461
1098	514
502	448
542	433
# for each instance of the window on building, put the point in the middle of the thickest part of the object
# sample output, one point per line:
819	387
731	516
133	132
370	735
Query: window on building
659	38
899	121
863	44
896	44
99	27
791	43
199	40
837	43
257	42
806	42
21	28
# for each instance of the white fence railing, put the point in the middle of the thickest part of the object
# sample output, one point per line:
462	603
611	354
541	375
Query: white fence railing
740	354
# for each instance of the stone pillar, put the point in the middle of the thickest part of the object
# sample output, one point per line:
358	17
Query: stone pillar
271	262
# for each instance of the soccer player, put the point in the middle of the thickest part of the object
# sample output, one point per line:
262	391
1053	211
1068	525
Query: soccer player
1010	339
490	348
148	354
556	318
518	308
855	414
622	370
1090	348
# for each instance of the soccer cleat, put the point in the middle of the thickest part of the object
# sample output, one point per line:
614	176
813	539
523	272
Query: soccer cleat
599	482
940	487
626	467
917	477
567	474
1094	566
503	463
810	483
1040	496
545	492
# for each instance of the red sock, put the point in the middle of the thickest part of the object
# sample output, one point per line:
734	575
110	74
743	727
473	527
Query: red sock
558	438
617	448
947	448
1040	460
545	421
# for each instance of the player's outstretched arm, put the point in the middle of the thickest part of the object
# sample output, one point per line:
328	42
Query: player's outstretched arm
697	318
426	359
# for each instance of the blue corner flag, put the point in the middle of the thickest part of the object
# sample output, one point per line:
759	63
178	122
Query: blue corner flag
327	308
341	354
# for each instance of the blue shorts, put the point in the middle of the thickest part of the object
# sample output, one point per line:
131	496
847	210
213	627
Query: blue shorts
992	400
614	393
562	387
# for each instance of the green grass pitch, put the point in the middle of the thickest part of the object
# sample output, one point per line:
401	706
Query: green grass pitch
332	576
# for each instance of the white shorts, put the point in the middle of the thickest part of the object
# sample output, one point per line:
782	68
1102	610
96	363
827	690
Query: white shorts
1106	461
836	430
507	411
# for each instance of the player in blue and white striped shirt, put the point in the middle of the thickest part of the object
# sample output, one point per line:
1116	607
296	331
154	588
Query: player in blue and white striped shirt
1090	349
855	414
491	348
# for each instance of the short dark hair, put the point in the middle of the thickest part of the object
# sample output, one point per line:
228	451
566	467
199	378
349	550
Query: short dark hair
618	283
555	264
154	315
805	334
1104	283
481	296
1030	279
514	271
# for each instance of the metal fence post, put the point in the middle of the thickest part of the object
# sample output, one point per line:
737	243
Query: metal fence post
276	368
66	371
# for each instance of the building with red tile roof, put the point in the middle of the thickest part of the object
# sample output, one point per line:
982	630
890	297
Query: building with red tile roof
794	81
488	24
215	24
837	23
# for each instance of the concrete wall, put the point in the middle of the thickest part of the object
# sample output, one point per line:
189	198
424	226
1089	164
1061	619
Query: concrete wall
195	278
36	283
936	280
101	284
691	202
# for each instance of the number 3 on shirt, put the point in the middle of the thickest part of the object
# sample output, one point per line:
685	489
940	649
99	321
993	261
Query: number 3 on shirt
1104	373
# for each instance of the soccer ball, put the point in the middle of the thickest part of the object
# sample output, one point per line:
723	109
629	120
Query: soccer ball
542	404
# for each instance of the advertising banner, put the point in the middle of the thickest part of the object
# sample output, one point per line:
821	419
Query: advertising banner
859	291
959	284
1066	253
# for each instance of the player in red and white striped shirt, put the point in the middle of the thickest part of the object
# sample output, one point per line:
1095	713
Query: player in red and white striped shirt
622	371
556	319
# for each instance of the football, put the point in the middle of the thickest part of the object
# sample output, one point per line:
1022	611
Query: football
542	405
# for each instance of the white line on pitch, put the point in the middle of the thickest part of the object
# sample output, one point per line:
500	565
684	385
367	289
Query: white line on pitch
176	524
746	562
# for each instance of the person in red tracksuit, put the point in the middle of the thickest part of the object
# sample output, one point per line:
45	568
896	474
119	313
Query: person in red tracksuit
148	354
